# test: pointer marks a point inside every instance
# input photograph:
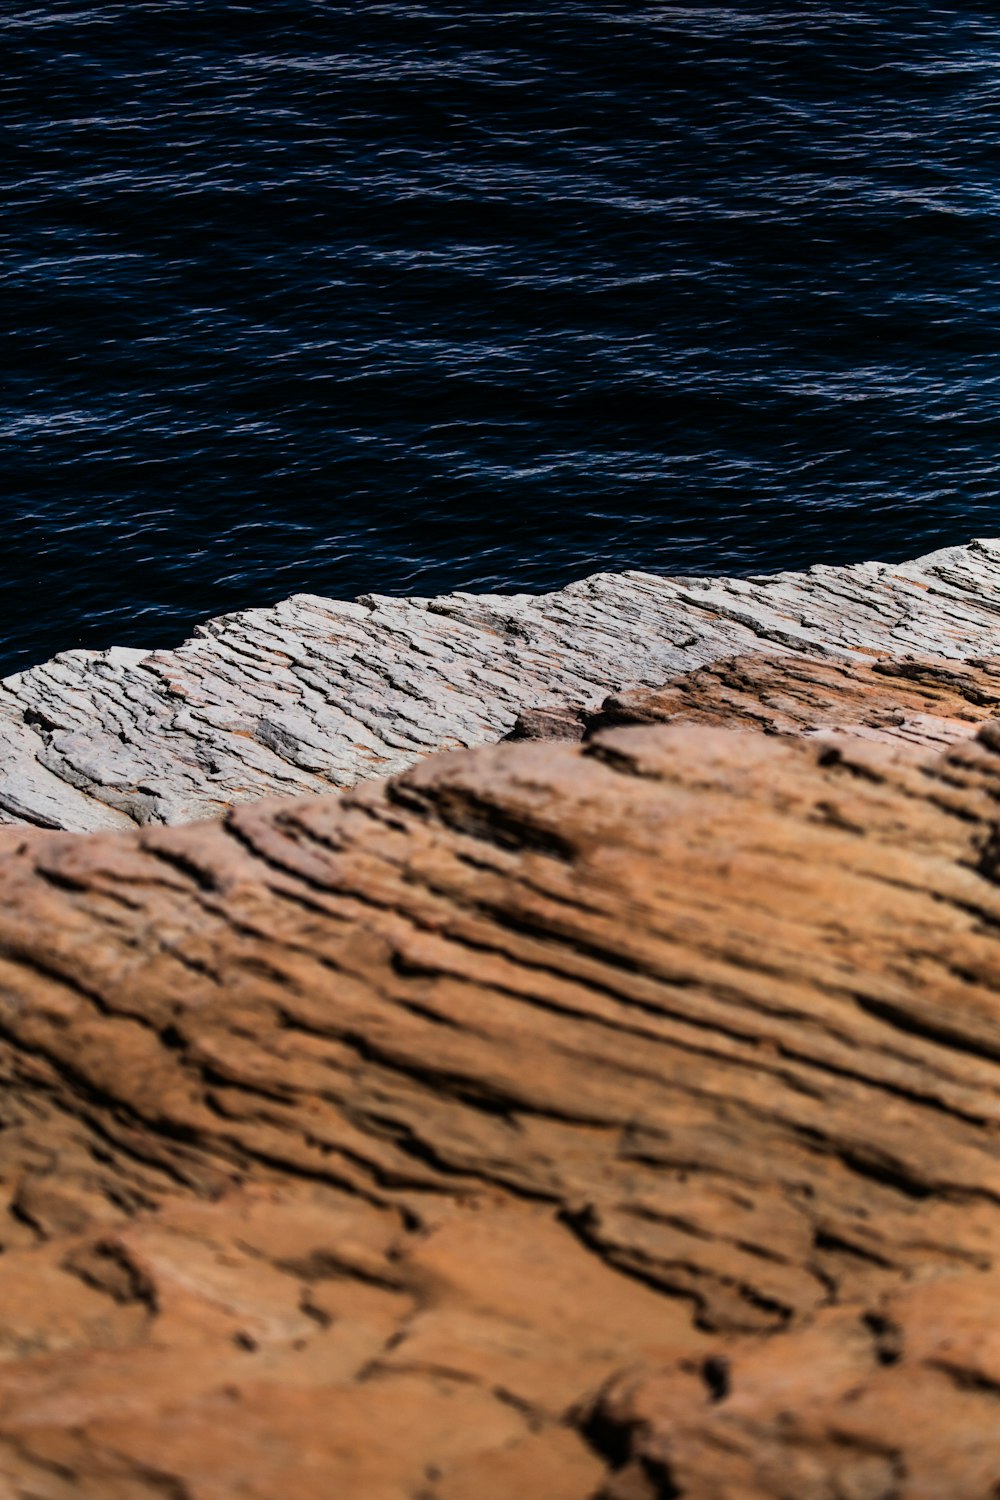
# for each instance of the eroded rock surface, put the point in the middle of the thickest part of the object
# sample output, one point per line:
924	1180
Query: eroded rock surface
315	694
609	1120
917	701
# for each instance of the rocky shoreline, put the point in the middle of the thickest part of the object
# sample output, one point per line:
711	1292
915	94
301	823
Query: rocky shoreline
611	1114
313	695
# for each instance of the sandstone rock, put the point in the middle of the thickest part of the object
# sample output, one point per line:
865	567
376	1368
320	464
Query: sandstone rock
924	702
315	694
895	1399
552	1121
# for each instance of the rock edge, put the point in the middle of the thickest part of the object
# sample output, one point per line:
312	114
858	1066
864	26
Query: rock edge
313	694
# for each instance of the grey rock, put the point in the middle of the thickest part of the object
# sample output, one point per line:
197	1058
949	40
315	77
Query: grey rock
314	694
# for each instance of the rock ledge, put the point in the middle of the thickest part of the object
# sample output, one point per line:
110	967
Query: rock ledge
313	694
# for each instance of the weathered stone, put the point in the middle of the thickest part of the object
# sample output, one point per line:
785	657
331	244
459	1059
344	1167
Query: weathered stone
916	701
315	694
553	1121
895	1399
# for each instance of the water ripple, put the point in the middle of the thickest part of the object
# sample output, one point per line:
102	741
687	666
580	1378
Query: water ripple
444	295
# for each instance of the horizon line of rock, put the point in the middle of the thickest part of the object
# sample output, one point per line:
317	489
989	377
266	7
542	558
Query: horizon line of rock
312	695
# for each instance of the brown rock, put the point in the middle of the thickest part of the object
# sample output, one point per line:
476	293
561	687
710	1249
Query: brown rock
896	1399
554	1121
917	701
563	722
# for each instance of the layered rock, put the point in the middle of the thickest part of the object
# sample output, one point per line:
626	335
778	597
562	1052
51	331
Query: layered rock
922	702
315	694
598	1121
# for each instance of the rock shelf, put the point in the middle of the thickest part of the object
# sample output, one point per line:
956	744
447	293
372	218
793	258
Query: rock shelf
312	694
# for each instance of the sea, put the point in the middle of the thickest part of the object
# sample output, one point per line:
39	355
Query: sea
406	298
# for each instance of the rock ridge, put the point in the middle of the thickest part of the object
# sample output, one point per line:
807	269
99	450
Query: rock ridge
612	1120
314	694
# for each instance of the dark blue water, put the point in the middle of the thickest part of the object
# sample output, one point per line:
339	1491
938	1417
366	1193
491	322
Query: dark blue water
412	297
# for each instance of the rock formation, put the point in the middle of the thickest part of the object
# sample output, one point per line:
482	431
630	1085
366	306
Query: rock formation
918	701
315	694
602	1121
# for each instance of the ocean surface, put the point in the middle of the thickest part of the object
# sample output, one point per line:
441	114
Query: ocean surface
414	297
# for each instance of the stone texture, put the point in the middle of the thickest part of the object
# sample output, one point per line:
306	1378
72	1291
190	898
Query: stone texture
313	694
896	1399
920	702
551	1122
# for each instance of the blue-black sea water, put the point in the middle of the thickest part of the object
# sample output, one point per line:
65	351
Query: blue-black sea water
408	297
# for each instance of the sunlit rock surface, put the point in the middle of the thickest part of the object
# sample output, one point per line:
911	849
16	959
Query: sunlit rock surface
313	694
599	1121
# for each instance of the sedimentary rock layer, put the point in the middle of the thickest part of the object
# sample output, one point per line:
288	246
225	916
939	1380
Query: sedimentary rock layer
553	1122
314	694
922	702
